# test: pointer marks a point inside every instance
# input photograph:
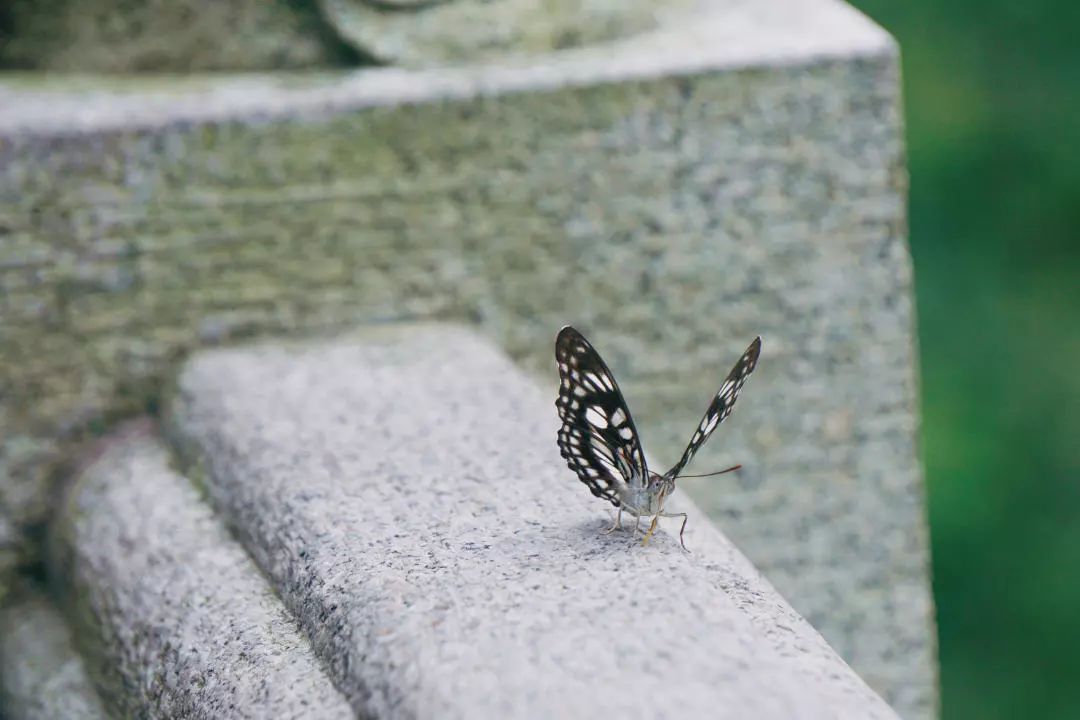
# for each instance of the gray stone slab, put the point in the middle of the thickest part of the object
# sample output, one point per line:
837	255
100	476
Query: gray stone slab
174	616
42	677
403	492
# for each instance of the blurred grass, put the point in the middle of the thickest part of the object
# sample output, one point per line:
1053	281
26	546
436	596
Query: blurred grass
992	93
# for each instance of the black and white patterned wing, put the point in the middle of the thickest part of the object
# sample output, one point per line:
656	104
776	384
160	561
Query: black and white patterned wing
721	405
597	437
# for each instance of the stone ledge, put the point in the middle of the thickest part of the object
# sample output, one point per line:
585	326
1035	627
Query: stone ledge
41	675
725	36
404	495
175	619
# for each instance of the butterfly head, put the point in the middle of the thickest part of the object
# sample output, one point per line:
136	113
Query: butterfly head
659	487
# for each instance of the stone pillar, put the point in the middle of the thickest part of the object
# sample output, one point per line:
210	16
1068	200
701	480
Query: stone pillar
672	194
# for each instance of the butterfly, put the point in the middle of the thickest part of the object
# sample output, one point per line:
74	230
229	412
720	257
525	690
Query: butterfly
600	443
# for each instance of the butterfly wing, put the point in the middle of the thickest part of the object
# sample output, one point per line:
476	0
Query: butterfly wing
597	438
721	405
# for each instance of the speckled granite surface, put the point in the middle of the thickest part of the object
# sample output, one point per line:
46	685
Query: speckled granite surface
403	493
174	617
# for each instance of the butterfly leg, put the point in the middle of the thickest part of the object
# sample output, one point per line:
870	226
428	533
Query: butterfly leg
682	529
656	518
616	526
652	529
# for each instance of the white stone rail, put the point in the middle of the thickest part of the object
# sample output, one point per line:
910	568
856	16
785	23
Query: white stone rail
403	494
174	618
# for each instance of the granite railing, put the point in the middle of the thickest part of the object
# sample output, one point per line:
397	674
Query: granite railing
673	194
382	525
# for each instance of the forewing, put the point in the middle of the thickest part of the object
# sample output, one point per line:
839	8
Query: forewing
722	404
597	438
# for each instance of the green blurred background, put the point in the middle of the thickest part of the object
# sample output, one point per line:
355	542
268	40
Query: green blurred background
992	92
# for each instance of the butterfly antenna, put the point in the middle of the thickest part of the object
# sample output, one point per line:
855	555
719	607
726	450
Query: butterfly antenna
718	472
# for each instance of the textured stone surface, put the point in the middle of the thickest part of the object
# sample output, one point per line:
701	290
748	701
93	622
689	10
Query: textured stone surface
403	493
9	543
672	196
456	31
176	618
41	675
175	36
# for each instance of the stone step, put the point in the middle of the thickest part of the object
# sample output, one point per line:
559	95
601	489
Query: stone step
175	619
402	492
42	677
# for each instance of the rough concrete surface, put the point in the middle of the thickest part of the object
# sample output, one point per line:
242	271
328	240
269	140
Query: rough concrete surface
403	493
175	618
672	195
42	677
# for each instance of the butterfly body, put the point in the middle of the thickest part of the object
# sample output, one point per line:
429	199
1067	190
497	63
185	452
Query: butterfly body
647	499
599	441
